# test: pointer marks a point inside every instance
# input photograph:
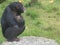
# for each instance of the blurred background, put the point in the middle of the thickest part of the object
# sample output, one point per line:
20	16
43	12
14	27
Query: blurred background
42	18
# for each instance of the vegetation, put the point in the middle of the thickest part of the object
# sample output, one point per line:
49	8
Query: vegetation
42	19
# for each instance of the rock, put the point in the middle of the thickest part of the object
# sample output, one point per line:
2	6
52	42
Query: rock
32	40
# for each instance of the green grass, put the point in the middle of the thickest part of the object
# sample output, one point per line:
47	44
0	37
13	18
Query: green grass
41	20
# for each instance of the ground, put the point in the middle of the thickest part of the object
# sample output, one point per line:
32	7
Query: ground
32	40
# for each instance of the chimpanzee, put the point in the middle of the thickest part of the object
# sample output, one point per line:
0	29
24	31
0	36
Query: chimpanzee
12	21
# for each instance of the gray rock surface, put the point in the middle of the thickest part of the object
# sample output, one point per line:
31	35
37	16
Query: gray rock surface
32	40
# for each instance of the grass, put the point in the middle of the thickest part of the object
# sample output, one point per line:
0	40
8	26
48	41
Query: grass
41	21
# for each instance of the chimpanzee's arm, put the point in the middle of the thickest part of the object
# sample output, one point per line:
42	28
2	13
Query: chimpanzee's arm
10	20
9	17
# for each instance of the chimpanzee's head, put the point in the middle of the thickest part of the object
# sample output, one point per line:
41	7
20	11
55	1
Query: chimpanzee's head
17	6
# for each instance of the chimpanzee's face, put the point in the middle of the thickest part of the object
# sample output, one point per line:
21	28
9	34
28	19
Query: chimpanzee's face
18	7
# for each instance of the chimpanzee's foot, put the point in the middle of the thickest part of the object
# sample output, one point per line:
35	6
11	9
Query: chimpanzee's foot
15	39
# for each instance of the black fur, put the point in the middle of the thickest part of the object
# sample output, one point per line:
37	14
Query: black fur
8	18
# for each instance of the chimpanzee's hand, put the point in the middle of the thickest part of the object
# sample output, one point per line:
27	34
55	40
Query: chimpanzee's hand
16	26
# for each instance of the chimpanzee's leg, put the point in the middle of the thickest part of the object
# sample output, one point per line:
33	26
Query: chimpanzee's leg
4	27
